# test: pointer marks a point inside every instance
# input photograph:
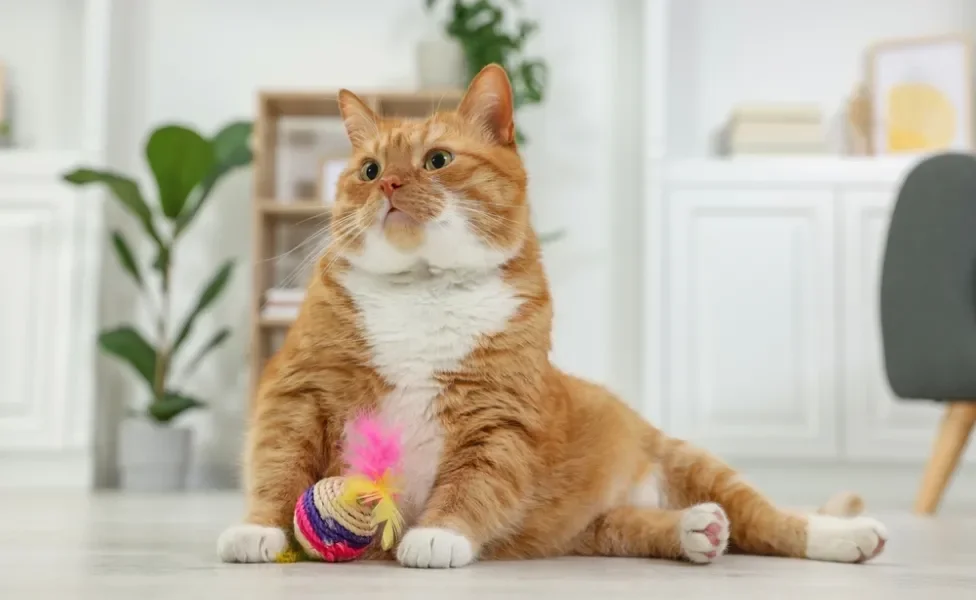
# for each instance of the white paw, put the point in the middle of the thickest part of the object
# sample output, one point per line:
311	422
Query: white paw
251	544
704	532
844	540
434	548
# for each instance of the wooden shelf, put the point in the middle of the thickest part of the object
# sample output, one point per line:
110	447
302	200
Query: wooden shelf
386	102
275	322
295	209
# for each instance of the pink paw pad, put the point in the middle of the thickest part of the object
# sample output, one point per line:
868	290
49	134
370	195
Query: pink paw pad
712	532
877	550
704	533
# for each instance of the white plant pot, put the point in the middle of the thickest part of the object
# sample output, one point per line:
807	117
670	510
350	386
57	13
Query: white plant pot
152	457
440	64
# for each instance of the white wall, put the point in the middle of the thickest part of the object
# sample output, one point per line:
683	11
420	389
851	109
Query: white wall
203	63
730	51
39	43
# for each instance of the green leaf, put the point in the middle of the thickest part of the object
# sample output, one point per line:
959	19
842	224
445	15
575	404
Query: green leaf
161	262
125	256
209	295
179	158
215	342
232	145
171	405
125	190
232	149
128	345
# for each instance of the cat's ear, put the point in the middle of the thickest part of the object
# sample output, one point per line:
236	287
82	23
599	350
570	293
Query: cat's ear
359	119
488	103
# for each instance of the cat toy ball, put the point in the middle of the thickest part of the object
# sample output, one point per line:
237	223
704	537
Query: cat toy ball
337	518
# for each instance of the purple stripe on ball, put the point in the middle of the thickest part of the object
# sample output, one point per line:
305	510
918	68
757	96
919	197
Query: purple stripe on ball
327	529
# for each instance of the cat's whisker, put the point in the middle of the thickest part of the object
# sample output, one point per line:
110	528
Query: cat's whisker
494	219
342	241
322	240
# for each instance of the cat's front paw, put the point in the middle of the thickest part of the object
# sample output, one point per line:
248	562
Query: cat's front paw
251	544
434	548
704	533
844	540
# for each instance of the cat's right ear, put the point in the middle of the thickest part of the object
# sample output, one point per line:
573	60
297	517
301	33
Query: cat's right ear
358	118
489	103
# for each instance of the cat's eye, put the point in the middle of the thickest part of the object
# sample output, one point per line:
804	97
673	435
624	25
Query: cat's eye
438	159
369	171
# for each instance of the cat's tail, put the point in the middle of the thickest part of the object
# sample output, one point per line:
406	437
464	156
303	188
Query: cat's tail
843	504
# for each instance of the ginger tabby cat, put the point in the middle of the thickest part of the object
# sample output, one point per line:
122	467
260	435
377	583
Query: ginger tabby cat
431	307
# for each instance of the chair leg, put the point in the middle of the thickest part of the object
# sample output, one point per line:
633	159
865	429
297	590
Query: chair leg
957	424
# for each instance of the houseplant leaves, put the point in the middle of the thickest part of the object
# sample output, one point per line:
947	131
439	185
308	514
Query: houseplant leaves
186	168
207	297
128	345
123	189
124	253
232	149
179	158
171	405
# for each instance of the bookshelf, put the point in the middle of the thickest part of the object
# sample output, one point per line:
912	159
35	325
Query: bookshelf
281	213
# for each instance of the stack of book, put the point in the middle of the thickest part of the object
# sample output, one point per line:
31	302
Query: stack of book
282	303
774	130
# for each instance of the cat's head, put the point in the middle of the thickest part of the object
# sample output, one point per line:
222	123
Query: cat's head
448	192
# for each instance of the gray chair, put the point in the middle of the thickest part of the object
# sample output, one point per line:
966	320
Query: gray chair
928	306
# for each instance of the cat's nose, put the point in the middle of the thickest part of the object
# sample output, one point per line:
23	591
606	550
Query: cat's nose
389	184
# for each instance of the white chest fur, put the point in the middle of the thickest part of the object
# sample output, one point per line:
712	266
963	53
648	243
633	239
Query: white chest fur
416	329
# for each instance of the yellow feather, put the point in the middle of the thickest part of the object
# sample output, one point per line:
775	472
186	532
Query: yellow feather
386	512
380	493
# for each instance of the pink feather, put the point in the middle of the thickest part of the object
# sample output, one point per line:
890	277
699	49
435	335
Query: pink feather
372	447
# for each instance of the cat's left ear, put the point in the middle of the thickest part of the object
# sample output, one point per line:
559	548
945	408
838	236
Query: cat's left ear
359	119
488	103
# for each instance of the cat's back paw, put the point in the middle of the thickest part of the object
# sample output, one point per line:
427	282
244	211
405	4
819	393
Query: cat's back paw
704	533
844	540
248	543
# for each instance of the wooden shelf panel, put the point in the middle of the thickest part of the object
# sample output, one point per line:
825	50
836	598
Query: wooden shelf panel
275	322
325	104
298	209
301	104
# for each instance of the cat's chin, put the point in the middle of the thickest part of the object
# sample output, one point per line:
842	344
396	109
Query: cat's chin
403	232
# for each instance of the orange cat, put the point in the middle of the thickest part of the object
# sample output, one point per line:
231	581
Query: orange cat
431	307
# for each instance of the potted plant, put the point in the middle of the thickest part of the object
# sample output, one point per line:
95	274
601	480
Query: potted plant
186	166
478	27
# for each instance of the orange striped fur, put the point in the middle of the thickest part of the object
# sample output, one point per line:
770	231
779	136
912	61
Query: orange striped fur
432	307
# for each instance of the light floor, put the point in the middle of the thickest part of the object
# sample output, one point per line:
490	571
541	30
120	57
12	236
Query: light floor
143	548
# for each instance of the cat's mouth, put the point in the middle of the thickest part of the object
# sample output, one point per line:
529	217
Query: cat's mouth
395	216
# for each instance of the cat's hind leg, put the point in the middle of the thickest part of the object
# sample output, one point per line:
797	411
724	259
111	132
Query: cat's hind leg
699	534
691	476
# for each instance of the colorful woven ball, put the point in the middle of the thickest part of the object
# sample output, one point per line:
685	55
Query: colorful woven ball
337	518
329	529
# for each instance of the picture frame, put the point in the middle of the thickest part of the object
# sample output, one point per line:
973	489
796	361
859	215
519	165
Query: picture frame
330	168
921	95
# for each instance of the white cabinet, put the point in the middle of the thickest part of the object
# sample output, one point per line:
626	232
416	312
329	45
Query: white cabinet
768	337
49	275
752	366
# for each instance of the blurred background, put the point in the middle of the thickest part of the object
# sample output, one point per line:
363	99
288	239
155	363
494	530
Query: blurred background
714	179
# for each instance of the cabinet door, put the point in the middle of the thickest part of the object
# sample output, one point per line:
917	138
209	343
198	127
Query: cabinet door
750	321
878	425
35	327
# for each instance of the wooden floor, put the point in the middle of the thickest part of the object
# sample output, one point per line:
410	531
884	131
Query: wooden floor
144	548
